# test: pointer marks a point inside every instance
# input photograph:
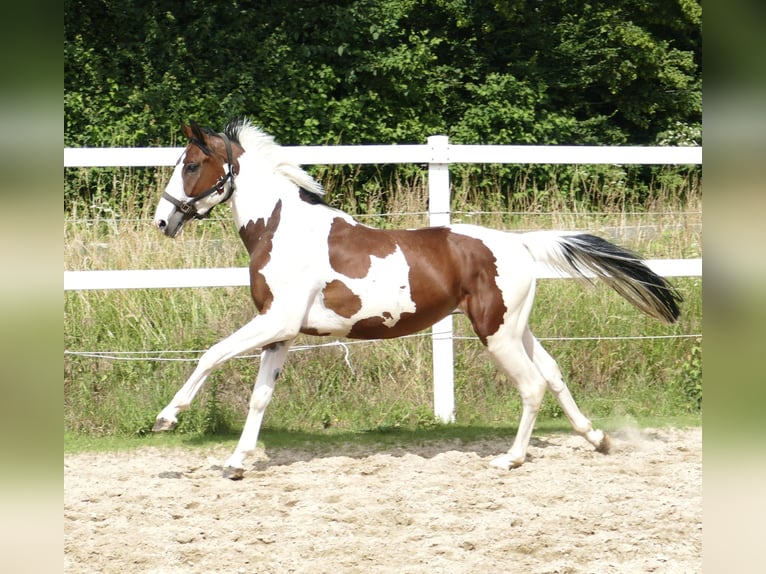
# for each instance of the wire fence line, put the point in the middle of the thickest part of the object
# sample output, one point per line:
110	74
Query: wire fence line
149	220
156	356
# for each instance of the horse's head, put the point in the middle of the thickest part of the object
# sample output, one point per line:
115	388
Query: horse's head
203	178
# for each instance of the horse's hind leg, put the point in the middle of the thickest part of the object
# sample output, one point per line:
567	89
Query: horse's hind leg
506	345
509	353
552	374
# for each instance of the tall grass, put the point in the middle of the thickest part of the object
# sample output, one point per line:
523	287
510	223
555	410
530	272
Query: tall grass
364	385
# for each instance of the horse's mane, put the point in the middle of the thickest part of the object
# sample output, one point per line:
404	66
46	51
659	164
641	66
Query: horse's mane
252	138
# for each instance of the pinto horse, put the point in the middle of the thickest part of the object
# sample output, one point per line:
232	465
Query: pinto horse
315	270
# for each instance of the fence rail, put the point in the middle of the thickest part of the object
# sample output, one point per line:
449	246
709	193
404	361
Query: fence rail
438	153
239	276
430	153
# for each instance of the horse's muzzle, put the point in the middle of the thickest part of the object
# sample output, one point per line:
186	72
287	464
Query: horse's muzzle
172	226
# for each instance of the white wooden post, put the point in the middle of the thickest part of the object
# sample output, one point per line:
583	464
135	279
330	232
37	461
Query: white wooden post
441	332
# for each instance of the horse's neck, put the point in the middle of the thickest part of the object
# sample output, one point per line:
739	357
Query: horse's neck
260	210
257	193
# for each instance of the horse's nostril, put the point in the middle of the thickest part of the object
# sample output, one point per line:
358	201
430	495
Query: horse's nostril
161	223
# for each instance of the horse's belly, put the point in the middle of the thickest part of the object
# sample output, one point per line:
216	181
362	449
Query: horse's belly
373	307
383	325
342	308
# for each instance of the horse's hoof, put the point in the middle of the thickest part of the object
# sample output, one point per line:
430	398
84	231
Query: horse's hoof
605	445
505	462
233	473
162	424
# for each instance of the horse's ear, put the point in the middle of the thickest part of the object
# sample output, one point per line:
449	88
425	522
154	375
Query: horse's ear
195	132
187	130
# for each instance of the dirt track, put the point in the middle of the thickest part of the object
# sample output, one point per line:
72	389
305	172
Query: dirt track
433	508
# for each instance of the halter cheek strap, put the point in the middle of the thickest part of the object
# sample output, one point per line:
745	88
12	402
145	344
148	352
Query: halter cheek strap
187	206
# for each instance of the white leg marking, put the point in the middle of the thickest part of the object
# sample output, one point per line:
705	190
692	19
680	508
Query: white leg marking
261	331
272	360
508	350
552	374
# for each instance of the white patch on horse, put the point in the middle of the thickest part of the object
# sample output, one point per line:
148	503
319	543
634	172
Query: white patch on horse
385	291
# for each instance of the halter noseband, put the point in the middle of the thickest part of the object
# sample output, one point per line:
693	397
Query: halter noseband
188	208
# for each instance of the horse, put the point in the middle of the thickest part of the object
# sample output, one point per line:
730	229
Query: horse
316	270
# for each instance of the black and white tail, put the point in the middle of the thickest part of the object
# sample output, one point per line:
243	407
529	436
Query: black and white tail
585	256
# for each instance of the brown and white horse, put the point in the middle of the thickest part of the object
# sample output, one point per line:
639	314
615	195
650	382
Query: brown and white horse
315	270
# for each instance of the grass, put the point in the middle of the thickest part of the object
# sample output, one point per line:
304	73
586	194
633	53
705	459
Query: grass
327	439
342	391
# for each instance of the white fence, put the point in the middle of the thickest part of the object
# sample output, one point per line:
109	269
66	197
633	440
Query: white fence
438	153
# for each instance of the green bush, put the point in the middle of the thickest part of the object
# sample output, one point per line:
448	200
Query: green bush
385	72
689	379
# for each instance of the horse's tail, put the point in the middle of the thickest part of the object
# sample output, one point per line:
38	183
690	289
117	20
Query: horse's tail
584	256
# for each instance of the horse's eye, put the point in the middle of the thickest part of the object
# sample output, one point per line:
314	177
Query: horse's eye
191	167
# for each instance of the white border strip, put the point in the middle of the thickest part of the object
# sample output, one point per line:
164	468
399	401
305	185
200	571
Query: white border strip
239	276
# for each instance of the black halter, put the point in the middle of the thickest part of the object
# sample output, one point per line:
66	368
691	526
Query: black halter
188	208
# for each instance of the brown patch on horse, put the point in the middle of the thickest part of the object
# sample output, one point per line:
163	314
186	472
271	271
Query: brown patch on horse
314	332
351	247
447	271
258	237
204	160
376	328
341	299
481	300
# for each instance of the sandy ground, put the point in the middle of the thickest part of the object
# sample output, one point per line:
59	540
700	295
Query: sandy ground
434	508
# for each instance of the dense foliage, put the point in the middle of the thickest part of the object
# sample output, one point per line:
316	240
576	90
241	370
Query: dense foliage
385	71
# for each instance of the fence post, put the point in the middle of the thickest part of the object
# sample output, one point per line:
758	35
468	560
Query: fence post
441	332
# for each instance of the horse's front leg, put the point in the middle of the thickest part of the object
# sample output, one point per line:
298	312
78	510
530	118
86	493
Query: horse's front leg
260	332
272	359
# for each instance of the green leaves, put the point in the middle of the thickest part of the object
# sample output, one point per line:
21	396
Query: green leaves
385	71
